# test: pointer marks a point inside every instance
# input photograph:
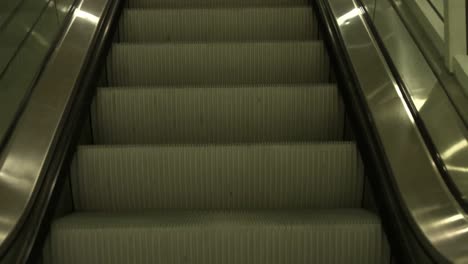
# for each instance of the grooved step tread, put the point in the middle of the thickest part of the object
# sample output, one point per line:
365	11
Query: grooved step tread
243	84
218	63
230	24
119	178
212	3
305	236
152	115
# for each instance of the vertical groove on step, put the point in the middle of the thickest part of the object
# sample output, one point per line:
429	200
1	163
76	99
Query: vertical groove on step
218	63
213	3
217	114
246	24
227	176
243	83
327	236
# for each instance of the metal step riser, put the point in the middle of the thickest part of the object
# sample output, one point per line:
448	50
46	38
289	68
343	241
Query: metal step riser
212	3
217	115
264	237
222	63
217	177
211	25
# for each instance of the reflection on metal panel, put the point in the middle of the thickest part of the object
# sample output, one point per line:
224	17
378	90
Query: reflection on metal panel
28	30
458	97
17	78
438	219
25	157
455	31
370	6
63	8
402	49
441	119
16	28
7	10
426	16
438	5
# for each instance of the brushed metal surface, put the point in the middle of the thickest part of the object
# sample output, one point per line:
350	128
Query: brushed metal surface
434	58
438	219
17	25
19	76
370	6
443	122
25	157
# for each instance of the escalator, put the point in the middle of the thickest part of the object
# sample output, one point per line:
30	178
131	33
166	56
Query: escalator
231	131
220	137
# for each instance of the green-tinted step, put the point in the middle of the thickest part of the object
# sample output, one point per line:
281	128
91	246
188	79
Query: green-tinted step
279	113
166	25
212	3
218	63
213	237
119	178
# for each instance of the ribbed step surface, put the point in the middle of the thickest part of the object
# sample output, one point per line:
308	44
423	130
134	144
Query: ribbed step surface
217	114
211	3
218	141
234	24
204	237
218	63
218	177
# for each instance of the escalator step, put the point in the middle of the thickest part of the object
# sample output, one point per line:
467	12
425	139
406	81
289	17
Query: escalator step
248	237
154	115
212	3
166	25
218	63
118	178
219	139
